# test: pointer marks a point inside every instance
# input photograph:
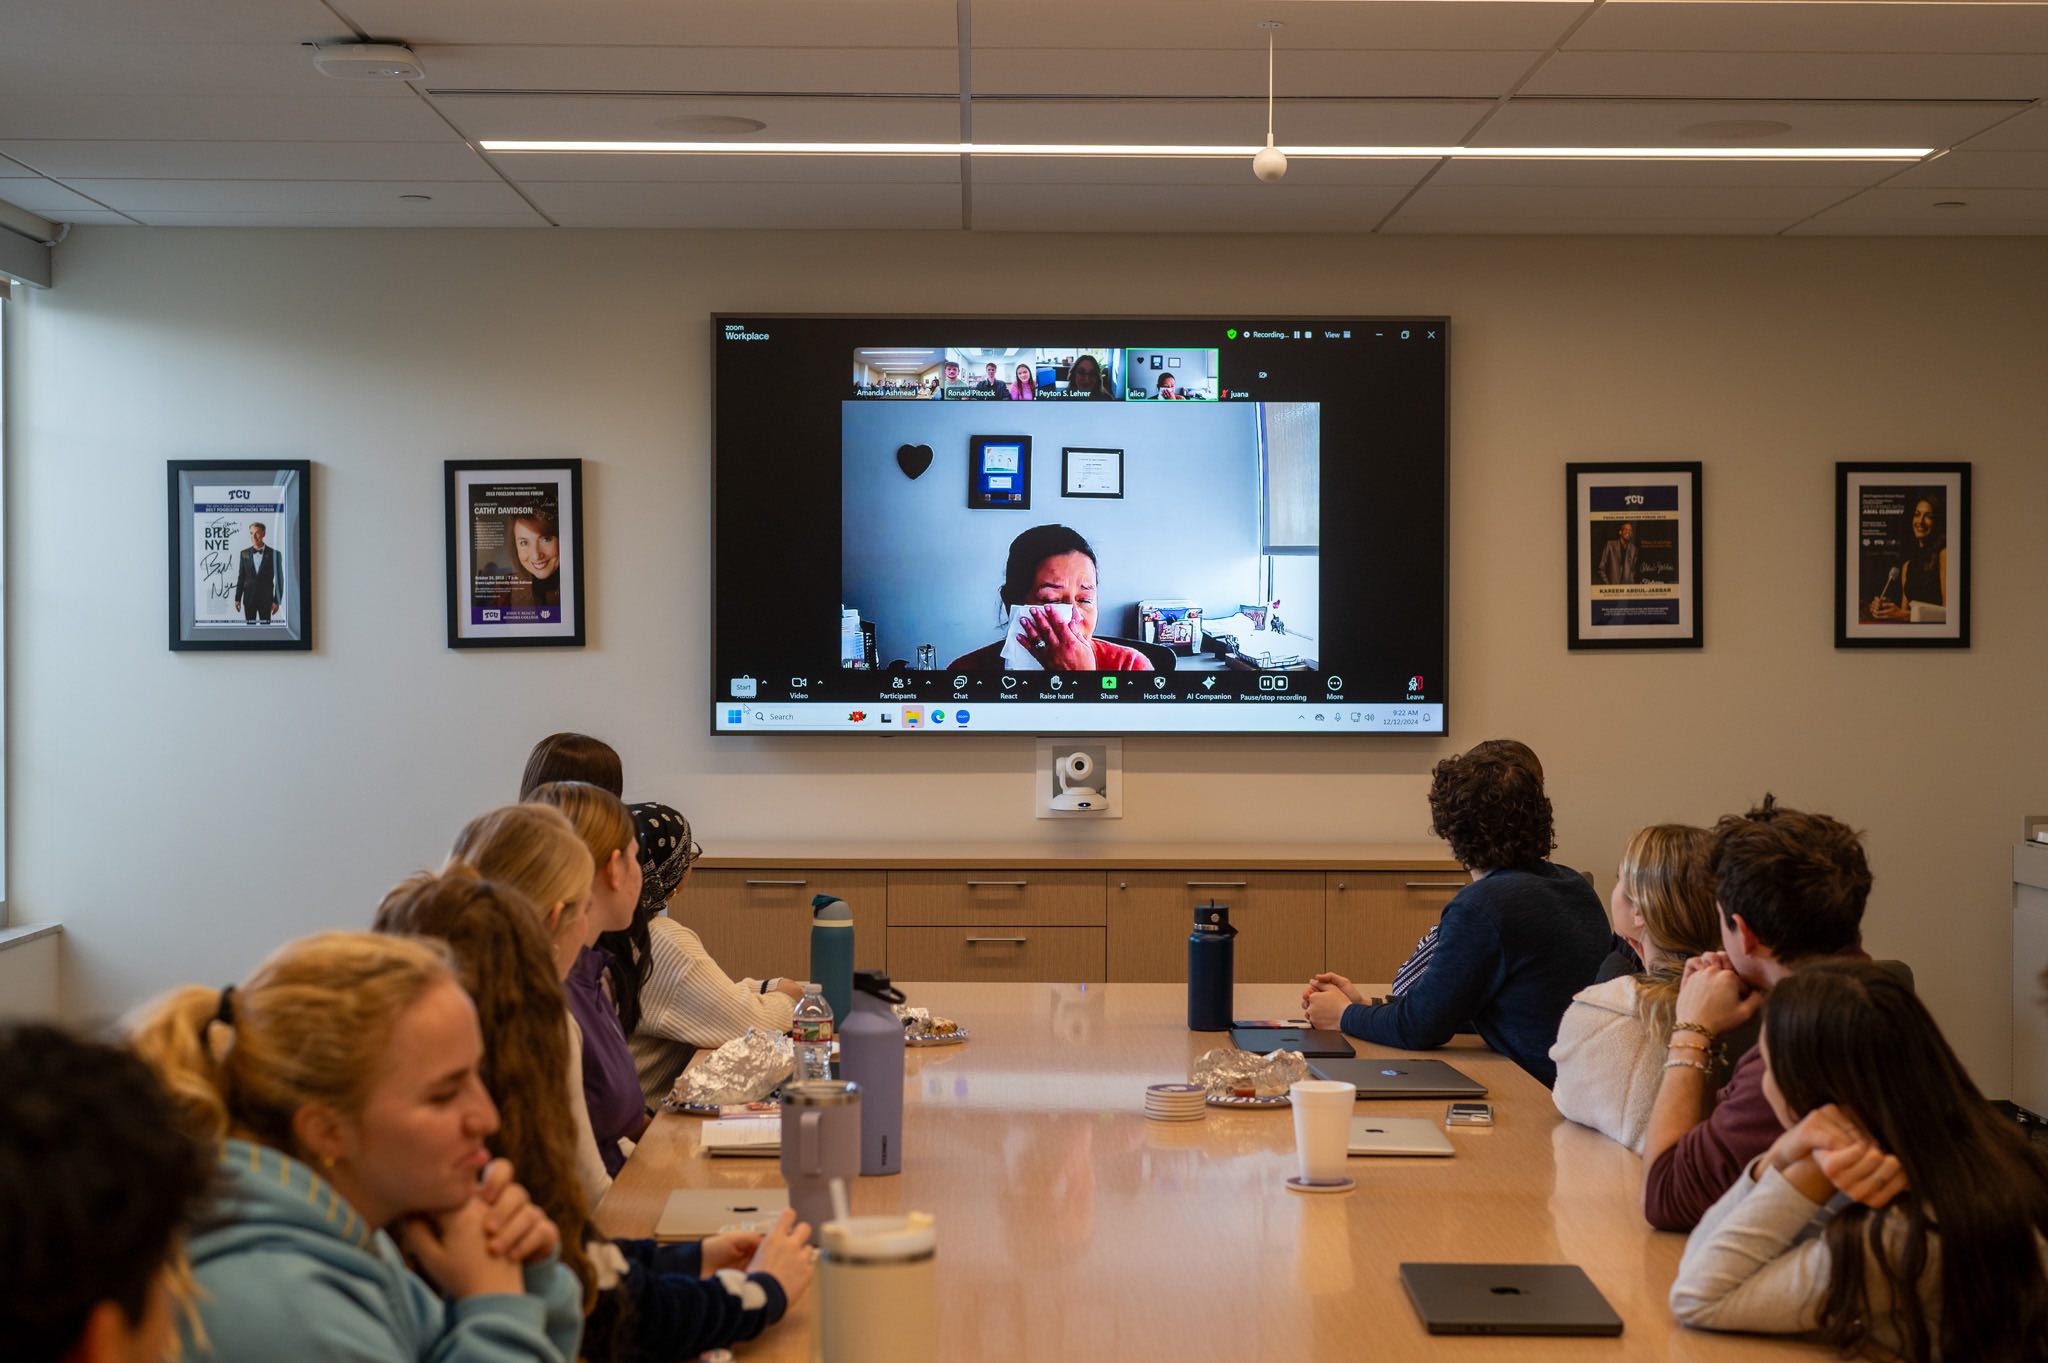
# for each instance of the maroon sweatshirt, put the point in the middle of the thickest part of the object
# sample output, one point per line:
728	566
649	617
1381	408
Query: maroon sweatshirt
1690	1177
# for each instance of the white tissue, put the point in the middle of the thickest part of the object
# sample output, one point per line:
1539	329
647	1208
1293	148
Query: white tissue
1018	658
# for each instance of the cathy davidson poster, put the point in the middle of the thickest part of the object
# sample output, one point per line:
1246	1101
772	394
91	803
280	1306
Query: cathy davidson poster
514	564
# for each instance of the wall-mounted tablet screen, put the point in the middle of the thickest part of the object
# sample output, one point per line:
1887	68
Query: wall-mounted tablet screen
1087	525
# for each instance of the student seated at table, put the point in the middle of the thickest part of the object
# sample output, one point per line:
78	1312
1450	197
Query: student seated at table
97	1174
1893	1172
1611	1044
1512	947
534	850
1790	889
339	1085
646	1301
611	1085
673	999
572	757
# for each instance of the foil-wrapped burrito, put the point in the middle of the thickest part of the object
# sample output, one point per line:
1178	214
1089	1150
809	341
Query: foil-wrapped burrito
743	1070
1229	1072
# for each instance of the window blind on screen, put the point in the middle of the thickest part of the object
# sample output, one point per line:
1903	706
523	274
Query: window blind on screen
1293	474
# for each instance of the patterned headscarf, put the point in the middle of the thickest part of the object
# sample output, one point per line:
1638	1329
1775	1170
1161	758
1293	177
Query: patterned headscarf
666	851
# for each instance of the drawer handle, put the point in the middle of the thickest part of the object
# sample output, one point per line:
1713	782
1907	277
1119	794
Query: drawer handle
1216	884
1004	884
1011	941
798	883
1437	884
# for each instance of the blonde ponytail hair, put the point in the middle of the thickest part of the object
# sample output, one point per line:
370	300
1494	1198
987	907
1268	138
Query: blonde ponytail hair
599	817
533	849
310	1025
1666	875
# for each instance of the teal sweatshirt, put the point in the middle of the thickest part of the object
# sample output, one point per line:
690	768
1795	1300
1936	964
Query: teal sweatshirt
287	1271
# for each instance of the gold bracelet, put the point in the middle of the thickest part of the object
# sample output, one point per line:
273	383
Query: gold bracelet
1676	1045
1709	1033
1689	1065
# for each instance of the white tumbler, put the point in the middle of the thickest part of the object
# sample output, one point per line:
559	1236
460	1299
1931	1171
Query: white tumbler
1322	1128
877	1299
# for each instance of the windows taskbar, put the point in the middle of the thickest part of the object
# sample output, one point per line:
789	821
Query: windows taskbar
1044	717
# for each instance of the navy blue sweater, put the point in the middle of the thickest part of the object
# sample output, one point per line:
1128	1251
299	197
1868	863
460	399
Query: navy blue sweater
1511	951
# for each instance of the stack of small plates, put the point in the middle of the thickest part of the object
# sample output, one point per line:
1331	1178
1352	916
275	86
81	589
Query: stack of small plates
1176	1102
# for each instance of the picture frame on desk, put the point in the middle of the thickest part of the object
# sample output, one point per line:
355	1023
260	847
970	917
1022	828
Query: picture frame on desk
1633	557
515	552
240	572
1902	554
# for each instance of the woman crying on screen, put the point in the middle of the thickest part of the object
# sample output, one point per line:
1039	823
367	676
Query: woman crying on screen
1049	611
536	538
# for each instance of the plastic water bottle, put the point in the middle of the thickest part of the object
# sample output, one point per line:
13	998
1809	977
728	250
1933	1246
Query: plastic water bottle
812	1030
871	1055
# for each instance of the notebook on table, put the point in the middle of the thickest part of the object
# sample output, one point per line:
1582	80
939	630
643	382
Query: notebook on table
1399	1076
1508	1299
1309	1041
756	1136
693	1213
1412	1136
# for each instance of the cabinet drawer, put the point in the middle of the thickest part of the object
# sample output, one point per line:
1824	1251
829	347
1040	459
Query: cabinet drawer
1013	953
757	922
1376	917
1278	916
989	898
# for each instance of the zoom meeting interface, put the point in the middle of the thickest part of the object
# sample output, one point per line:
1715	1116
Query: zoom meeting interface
1110	525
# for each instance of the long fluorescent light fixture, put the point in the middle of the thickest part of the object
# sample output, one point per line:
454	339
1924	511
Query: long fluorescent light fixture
1154	150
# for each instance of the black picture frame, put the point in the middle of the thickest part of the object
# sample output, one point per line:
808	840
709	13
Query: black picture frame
1877	505
477	492
1090	455
208	538
1609	605
981	495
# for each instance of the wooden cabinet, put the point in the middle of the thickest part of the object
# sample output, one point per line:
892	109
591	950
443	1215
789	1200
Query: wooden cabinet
1015	954
1278	916
995	898
1375	918
758	921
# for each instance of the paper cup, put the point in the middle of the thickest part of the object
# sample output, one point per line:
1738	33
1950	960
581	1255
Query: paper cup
1322	1127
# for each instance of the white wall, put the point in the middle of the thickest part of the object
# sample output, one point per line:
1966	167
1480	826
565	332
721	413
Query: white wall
31	972
184	812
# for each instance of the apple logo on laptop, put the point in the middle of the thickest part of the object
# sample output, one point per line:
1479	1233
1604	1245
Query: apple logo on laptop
1393	1074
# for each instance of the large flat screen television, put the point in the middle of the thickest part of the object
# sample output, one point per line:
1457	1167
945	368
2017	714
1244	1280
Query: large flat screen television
1106	525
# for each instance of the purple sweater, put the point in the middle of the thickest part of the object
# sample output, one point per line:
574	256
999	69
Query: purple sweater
611	1085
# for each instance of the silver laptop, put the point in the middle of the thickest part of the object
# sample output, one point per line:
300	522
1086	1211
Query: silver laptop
1399	1076
692	1213
1508	1299
1416	1136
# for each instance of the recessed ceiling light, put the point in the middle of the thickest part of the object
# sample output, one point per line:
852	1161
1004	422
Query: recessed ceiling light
709	125
633	148
1735	130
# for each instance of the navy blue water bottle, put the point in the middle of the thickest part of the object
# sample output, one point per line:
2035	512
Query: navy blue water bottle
832	952
1212	953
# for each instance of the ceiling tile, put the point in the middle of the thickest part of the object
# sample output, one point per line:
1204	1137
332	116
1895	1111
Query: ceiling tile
1351	73
1783	203
102	217
46	196
1350	123
164	21
1828	26
14	170
1697	174
542	168
301	196
1233	172
2027	132
1979	169
871	70
1914	203
652	118
1181	210
59	160
1517	25
1793	75
750	205
1661	123
130	68
1918	227
757	23
403	118
1404	226
526	217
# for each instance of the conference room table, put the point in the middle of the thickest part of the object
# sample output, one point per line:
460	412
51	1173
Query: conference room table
1071	1227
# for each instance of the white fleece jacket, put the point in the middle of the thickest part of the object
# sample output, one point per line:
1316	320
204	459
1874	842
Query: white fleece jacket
1608	1063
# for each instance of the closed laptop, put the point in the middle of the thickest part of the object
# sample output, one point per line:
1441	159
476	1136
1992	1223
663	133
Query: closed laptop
1399	1076
1508	1299
1308	1041
1416	1137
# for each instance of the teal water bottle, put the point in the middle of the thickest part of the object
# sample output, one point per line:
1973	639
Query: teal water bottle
832	951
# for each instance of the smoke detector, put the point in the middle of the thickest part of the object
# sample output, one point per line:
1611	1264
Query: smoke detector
367	61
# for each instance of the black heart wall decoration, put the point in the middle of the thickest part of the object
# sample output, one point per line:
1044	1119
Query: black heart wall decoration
913	459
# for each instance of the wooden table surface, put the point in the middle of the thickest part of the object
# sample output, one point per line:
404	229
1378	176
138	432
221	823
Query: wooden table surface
1071	1228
